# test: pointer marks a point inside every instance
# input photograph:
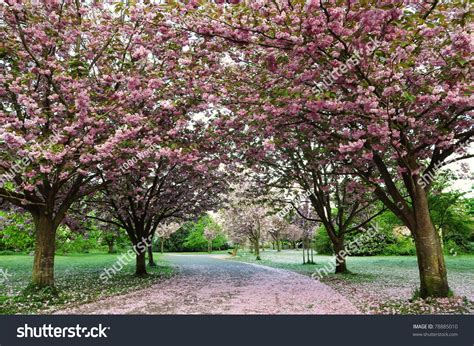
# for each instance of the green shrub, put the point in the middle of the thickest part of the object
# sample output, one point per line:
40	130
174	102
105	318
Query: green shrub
190	238
68	241
403	246
16	232
322	243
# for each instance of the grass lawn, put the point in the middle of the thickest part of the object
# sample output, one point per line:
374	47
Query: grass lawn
382	284
77	280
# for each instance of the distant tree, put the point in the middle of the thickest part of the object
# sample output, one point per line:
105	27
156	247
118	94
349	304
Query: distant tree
277	228
247	222
165	230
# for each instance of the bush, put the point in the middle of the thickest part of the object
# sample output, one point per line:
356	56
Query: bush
190	238
403	246
322	243
16	232
68	241
195	241
383	242
175	243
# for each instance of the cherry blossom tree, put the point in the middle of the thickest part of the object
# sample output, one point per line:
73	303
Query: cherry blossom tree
294	234
307	225
81	83
386	88
66	68
165	231
277	228
248	222
211	231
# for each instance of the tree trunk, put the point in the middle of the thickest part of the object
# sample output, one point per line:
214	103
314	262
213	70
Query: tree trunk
339	248
111	246
257	250
304	259
209	246
151	262
234	251
162	241
278	245
43	264
431	265
141	264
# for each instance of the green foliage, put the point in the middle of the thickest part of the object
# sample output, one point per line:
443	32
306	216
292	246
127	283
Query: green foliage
17	235
384	241
16	232
452	214
195	241
322	243
190	238
68	241
176	242
403	246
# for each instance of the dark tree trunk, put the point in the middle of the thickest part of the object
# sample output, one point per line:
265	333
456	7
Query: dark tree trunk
141	264
431	265
340	251
43	264
110	243
209	246
278	245
304	259
257	250
162	241
151	262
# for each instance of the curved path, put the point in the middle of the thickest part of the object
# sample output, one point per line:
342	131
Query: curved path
207	284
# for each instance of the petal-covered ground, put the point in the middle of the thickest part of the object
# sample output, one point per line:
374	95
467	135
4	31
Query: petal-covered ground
383	284
211	285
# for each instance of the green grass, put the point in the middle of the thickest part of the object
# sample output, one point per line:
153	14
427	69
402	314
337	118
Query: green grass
77	279
361	268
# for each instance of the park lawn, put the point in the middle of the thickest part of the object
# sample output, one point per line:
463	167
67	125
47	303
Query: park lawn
77	279
382	284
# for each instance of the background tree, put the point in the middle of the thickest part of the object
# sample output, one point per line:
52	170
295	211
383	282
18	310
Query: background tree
74	81
277	228
386	88
165	230
211	232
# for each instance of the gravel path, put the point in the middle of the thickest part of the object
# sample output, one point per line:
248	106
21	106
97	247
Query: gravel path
212	285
